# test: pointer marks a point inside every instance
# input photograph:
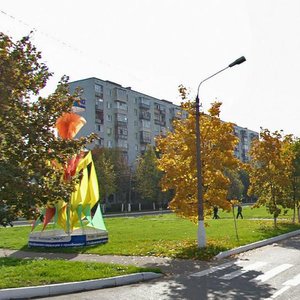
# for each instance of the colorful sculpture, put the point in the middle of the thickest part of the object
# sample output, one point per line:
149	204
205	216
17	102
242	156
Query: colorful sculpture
69	215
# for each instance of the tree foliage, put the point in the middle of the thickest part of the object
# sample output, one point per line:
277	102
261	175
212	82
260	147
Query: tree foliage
178	161
296	178
271	171
28	144
147	177
105	173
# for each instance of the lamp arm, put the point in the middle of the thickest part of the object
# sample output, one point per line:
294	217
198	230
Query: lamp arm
209	78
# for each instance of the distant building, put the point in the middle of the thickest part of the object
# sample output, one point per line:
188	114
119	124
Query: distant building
130	120
245	136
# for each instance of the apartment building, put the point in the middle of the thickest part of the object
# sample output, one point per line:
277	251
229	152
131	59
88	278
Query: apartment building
245	136
122	117
130	120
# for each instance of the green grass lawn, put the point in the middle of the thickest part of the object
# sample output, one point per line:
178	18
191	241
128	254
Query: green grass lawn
163	235
260	213
27	272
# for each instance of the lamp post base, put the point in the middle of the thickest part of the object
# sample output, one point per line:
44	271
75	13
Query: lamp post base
201	234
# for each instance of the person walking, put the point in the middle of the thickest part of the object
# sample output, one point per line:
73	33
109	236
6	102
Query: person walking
239	212
216	209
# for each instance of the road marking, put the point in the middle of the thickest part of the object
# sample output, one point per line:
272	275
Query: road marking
293	282
287	285
213	269
243	270
268	275
279	292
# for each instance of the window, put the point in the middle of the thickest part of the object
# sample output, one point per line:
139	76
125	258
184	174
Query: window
108	131
98	88
145	101
135	112
135	123
145	123
100	142
108	118
99	101
121	105
122	144
136	147
99	127
121	118
109	144
108	105
99	116
122	131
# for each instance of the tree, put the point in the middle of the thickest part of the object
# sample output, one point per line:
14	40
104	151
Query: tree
236	187
28	143
105	173
147	177
271	171
121	170
178	161
296	179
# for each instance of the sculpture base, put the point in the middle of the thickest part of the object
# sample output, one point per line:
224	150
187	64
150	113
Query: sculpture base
58	238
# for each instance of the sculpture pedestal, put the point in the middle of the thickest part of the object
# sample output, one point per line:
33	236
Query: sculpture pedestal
58	238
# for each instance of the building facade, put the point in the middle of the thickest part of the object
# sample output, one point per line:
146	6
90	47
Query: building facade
122	117
131	120
245	136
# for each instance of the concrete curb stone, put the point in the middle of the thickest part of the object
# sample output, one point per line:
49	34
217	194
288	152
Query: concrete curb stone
71	287
256	244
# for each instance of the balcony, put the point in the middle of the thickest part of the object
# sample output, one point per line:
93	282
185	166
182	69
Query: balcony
145	137
99	116
145	115
160	122
120	95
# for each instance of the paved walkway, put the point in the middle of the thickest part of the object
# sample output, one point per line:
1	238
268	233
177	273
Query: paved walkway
167	265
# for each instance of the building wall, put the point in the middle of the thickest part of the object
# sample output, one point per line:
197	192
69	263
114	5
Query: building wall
123	117
130	120
245	136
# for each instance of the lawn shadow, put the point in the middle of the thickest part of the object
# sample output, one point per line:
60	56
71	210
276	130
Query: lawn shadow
282	228
50	252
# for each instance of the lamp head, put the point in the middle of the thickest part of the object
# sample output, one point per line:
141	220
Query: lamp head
237	61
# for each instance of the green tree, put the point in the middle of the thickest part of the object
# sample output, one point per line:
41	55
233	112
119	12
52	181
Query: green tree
147	177
236	187
28	143
296	179
105	173
271	171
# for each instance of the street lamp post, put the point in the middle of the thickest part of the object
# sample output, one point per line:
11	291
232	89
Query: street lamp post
201	230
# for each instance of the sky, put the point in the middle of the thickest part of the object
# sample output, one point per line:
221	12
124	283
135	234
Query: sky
154	46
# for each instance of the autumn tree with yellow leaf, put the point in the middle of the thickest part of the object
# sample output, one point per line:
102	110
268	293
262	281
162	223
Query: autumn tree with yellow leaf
271	171
178	161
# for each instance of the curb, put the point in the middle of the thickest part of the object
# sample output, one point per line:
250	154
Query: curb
256	244
72	287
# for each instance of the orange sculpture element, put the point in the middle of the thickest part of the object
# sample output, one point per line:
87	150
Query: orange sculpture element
50	212
69	124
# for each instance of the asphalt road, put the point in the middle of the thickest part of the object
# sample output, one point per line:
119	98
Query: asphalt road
270	272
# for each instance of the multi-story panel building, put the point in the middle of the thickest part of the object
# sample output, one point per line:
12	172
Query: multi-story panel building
245	136
122	117
130	120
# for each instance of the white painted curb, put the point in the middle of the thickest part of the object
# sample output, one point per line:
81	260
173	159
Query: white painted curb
256	244
72	287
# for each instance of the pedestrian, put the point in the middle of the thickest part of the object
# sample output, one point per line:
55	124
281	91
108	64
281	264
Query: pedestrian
216	209
239	211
